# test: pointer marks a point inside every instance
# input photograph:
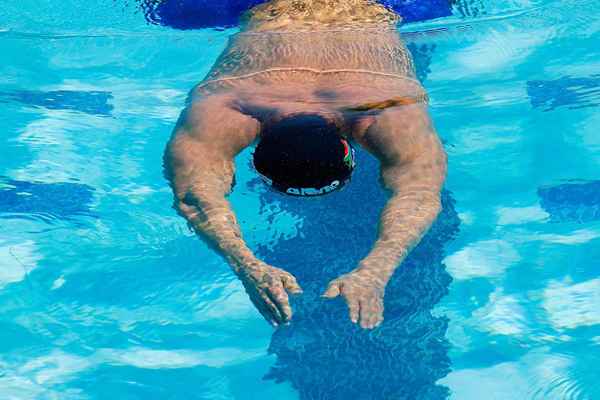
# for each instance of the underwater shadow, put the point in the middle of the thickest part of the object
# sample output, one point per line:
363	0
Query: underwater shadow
321	353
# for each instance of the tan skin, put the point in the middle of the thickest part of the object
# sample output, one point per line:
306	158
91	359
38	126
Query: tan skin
215	127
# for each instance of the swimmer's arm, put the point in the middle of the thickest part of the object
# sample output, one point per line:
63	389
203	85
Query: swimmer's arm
413	168
199	164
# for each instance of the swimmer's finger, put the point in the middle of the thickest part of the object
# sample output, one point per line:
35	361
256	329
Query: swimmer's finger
272	309
332	291
266	315
379	313
365	314
260	302
279	297
374	313
353	309
371	313
290	283
261	307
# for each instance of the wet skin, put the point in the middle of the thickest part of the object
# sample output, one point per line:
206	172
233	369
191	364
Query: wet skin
221	122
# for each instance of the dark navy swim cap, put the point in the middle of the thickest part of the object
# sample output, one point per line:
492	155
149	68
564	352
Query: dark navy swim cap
304	155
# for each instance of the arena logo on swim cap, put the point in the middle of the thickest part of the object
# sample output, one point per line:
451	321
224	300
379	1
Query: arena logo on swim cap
314	191
349	155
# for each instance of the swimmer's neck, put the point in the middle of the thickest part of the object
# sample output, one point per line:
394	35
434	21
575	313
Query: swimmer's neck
318	15
331	116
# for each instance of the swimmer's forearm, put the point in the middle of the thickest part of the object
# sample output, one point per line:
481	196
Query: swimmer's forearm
201	173
405	219
416	183
216	222
267	286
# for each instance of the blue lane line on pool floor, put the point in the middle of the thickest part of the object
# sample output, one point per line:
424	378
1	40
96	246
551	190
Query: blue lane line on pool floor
567	91
572	202
93	102
62	200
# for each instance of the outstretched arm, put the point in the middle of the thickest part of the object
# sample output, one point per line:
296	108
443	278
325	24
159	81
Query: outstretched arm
413	168
199	165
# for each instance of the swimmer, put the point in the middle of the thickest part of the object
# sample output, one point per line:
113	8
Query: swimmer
306	80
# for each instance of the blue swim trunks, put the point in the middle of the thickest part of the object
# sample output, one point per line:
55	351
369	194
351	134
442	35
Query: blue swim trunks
197	14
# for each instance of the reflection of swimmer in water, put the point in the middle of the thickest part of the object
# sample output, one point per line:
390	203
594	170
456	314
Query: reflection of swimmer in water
305	78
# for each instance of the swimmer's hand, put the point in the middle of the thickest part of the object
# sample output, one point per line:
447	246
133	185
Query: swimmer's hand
268	289
363	292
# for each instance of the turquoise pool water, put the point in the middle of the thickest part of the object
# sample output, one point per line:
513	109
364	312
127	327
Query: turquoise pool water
105	293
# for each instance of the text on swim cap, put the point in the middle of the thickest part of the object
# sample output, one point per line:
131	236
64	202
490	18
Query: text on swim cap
313	191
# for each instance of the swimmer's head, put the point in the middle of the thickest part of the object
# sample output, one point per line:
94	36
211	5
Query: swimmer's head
304	155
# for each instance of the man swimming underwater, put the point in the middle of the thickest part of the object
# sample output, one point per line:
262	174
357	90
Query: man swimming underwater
306	79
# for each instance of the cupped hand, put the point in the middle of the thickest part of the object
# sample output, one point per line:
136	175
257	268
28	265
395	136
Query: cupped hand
363	294
268	289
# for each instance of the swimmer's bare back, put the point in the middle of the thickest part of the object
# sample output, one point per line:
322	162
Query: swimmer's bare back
343	60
